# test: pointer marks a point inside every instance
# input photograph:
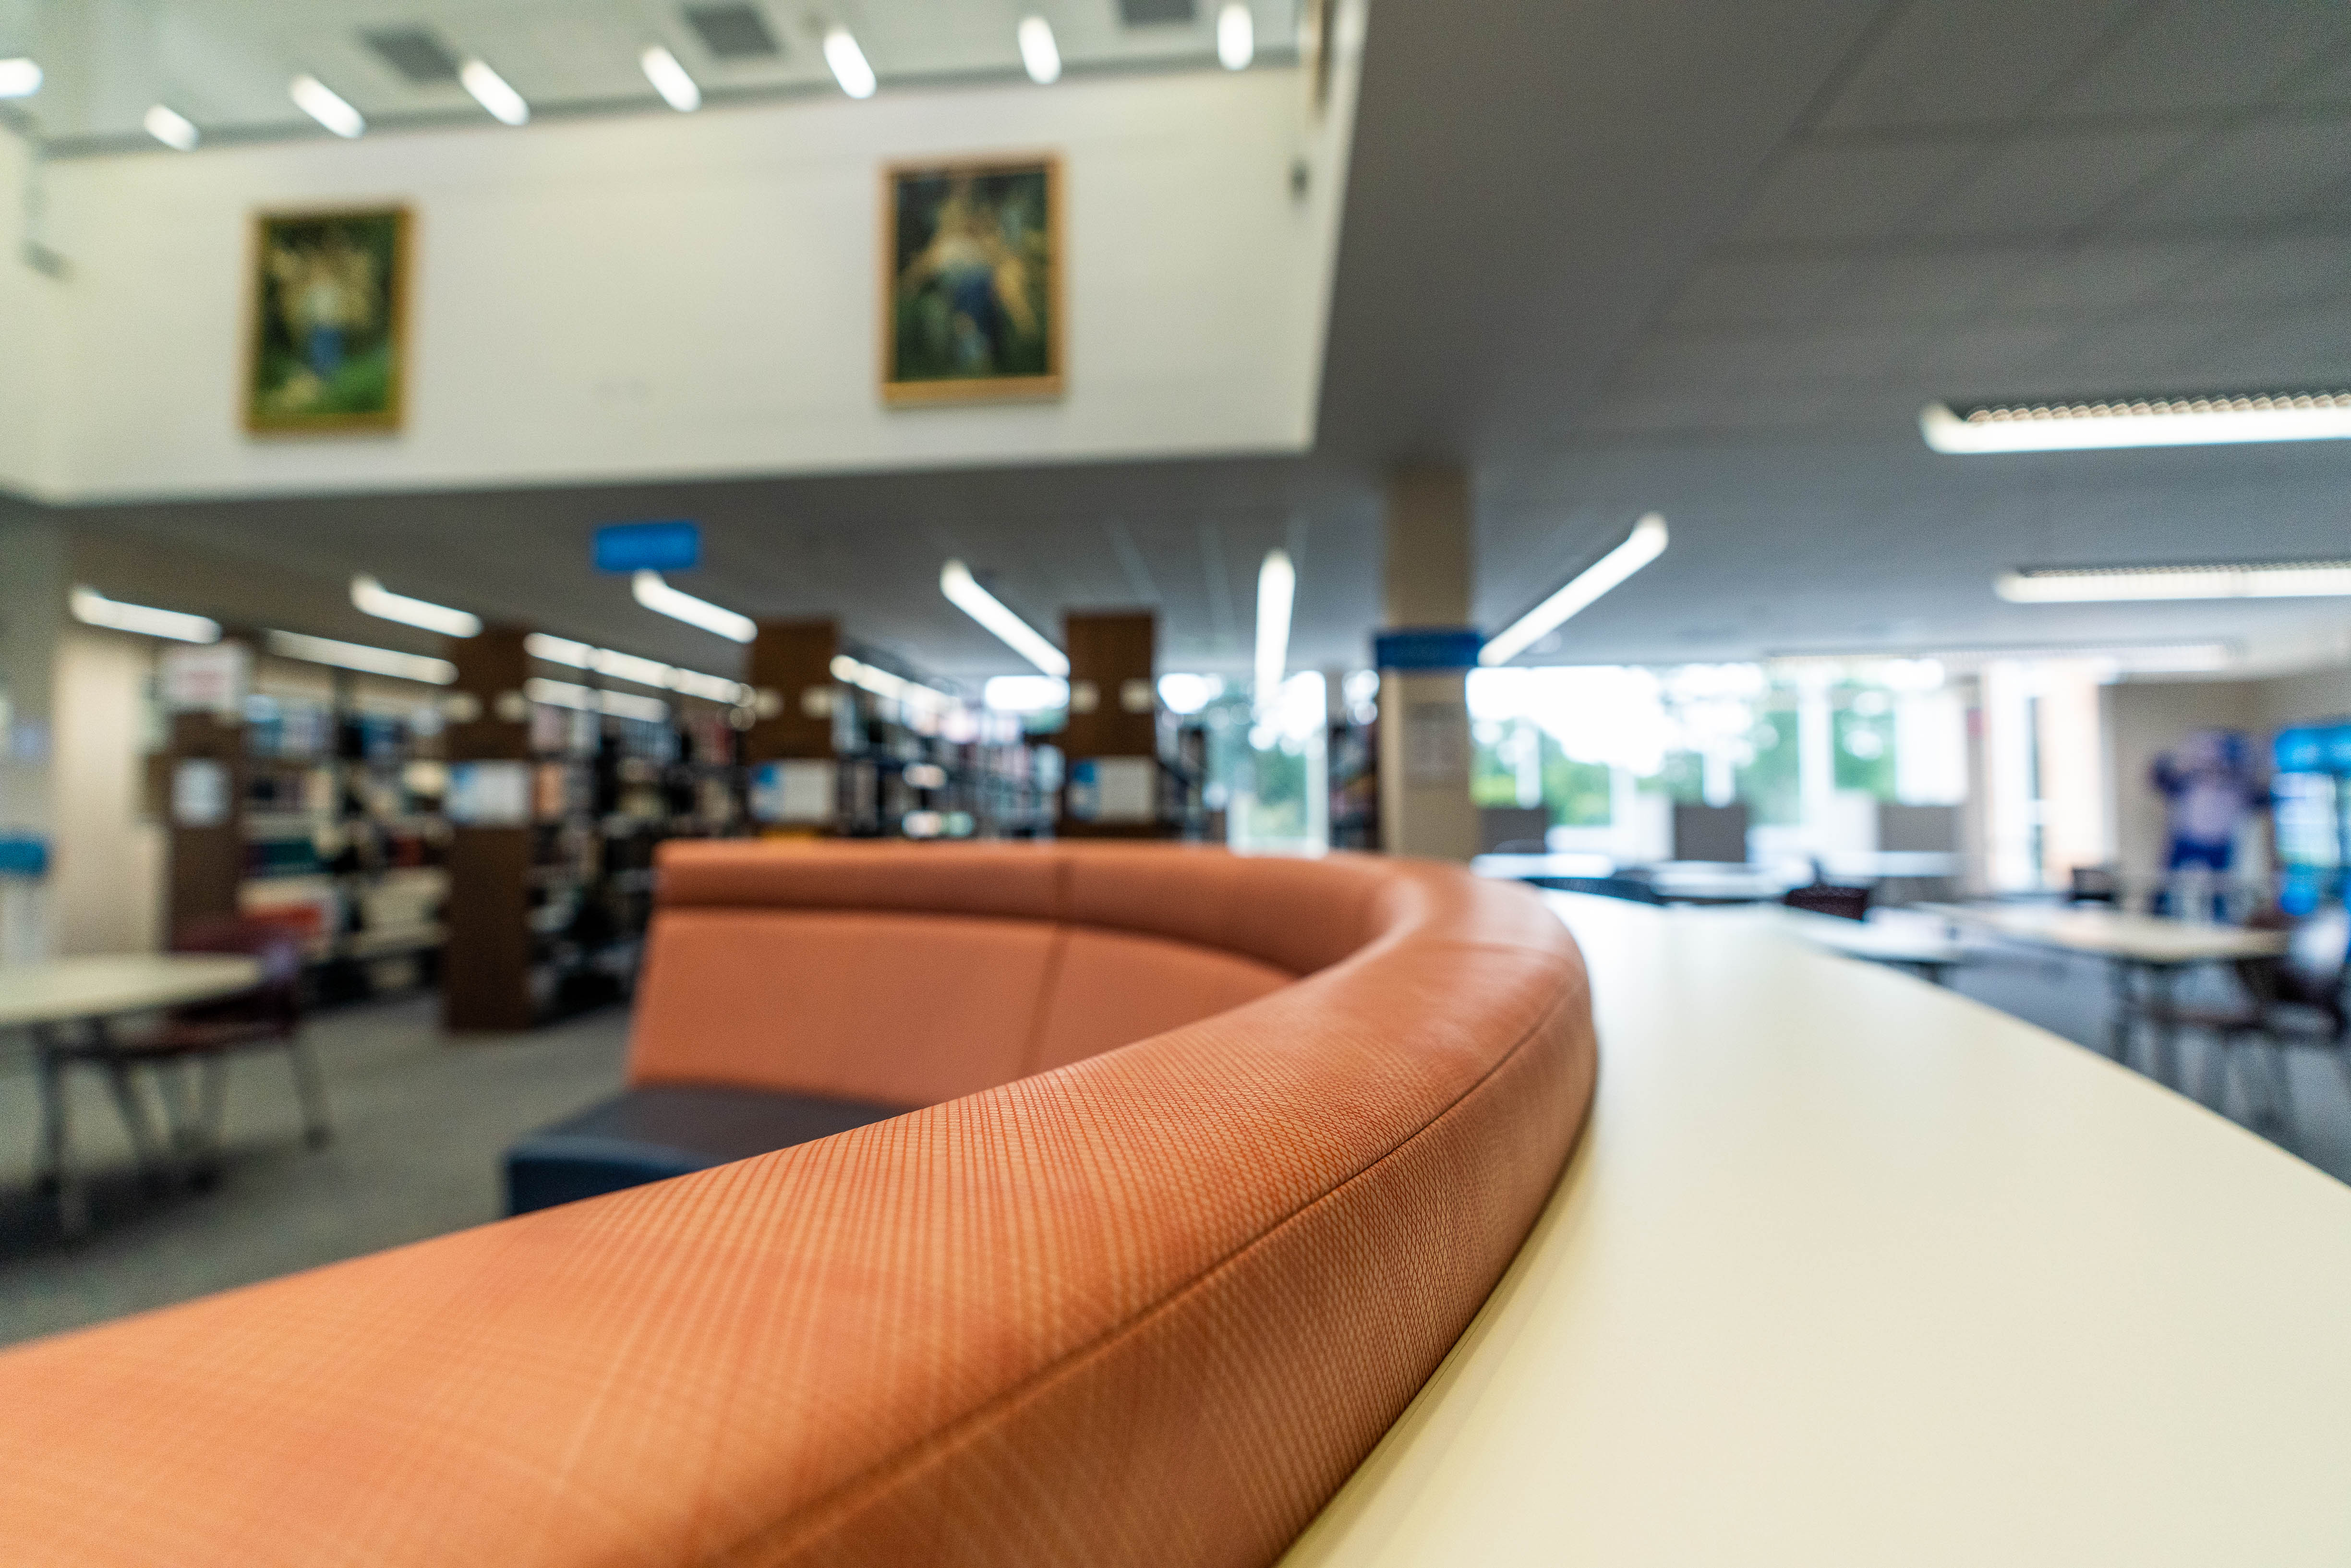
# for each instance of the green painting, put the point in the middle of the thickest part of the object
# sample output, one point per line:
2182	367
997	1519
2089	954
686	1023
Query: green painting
972	294
328	337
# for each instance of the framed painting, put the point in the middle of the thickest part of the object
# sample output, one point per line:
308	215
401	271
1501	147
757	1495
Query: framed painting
327	338
971	283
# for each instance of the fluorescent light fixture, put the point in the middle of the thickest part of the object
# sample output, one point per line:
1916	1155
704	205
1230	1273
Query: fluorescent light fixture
884	683
588	699
660	597
1644	544
1277	586
171	129
1235	36
629	667
2251	579
1025	694
964	592
372	598
848	63
19	78
669	79
1039	56
324	105
92	608
491	91
359	657
2138	422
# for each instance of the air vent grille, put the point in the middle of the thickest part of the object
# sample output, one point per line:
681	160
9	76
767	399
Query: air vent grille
1155	13
414	53
732	32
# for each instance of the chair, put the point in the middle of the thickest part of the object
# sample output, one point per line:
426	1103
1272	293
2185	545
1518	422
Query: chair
2092	884
200	1038
1830	898
2294	998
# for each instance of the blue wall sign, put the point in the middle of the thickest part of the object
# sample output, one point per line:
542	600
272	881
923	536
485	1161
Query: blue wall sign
1427	648
648	546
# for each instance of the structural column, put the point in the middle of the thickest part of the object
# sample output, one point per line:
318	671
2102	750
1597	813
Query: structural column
1424	755
1112	745
795	778
35	576
485	967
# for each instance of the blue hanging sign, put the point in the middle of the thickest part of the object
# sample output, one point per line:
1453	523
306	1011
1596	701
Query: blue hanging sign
648	546
2302	751
1427	648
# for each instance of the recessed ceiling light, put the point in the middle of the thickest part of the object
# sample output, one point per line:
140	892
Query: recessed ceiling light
2245	579
658	596
848	62
19	78
669	79
324	105
1644	544
92	608
964	592
2218	420
372	598
1277	588
360	656
491	91
171	128
1039	56
1236	35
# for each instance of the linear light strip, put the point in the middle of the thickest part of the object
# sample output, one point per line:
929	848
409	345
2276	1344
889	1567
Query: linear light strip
19	78
172	129
92	608
882	682
324	105
964	592
1235	36
2219	420
492	91
360	656
1276	589
629	667
588	699
848	62
1644	544
2251	579
658	596
372	598
669	80
1041	57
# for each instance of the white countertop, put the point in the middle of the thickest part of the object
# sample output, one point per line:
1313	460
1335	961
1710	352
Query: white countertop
58	990
2109	933
1850	1270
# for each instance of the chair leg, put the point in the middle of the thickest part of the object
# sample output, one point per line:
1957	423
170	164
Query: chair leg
2215	1072
311	1085
144	1148
57	1171
2282	1079
211	1105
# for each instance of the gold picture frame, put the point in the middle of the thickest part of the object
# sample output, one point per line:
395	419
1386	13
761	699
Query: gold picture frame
328	291
972	285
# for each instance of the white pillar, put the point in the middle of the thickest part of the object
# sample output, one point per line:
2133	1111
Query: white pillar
1425	749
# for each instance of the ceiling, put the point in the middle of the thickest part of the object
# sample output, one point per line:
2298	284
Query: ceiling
226	64
1692	256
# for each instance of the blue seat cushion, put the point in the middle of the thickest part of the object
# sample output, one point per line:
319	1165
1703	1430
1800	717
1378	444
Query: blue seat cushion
664	1130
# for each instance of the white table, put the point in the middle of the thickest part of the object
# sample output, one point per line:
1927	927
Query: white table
2146	947
46	998
1851	1271
1903	939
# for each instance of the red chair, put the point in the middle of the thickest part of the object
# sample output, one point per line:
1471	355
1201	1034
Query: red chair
199	1038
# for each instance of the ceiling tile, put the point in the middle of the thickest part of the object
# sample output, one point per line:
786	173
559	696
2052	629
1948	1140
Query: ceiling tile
2200	55
2268	272
1825	191
1739	288
1992	354
1924	286
2300	349
2055	182
2100	279
1684	363
1953	61
2274	168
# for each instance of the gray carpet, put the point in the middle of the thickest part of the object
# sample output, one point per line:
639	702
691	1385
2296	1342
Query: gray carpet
421	1119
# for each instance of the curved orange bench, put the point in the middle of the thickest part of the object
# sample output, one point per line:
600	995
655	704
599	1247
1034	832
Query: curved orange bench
1238	1148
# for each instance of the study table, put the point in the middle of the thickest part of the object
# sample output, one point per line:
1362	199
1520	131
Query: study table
1903	939
46	997
1850	1270
2146	947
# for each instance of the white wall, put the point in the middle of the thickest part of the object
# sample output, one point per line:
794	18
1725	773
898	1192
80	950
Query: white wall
698	295
27	307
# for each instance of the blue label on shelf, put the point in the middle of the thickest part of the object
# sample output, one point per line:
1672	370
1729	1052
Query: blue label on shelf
2301	751
1427	648
648	546
23	854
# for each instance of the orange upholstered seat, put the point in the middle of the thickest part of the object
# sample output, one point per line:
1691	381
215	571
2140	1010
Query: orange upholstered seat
1143	1305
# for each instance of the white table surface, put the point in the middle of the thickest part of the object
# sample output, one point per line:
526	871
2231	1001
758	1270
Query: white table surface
1889	936
60	990
2109	933
1850	1270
